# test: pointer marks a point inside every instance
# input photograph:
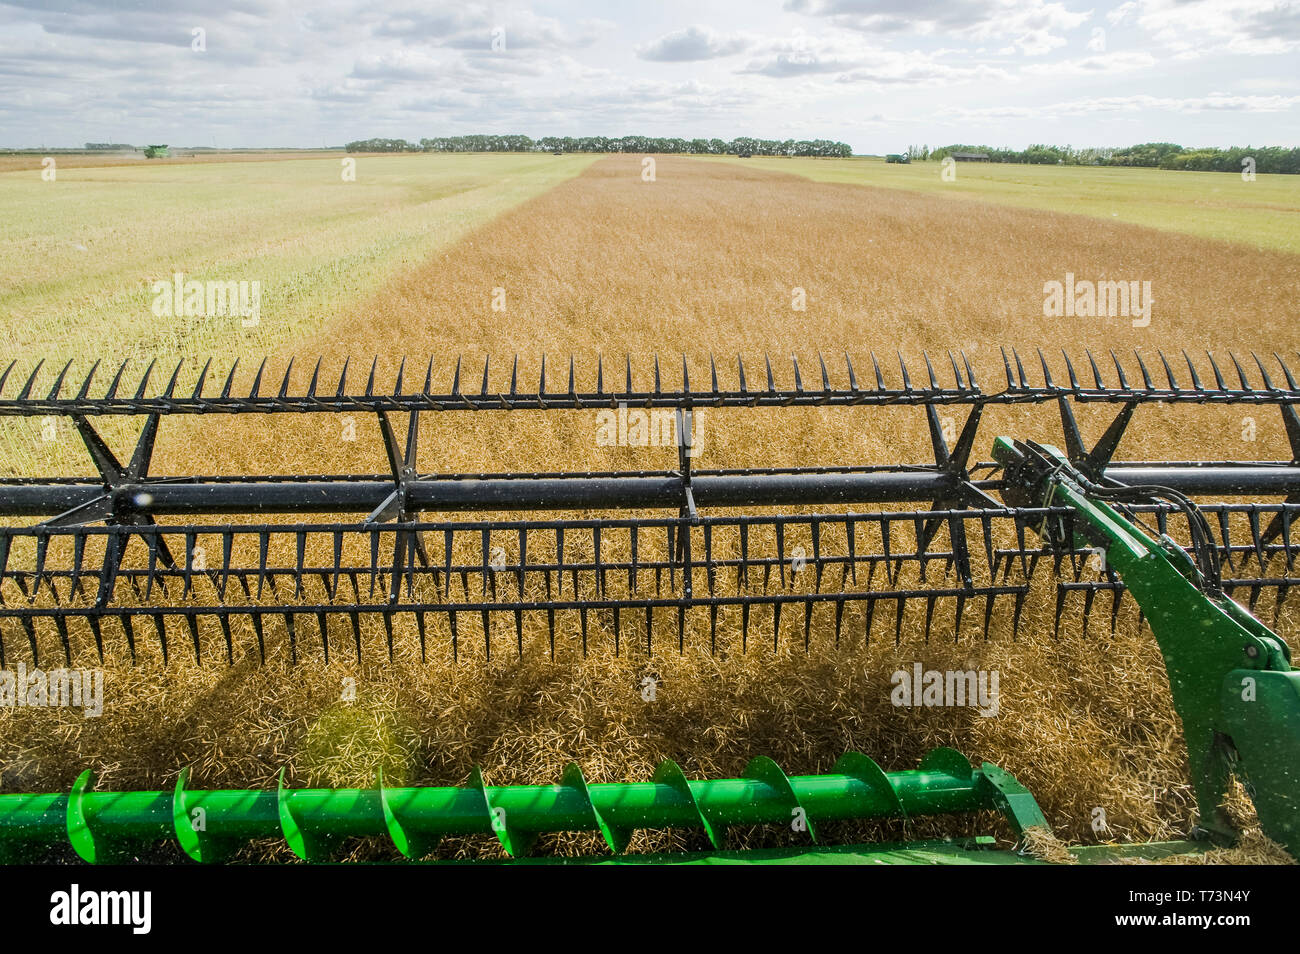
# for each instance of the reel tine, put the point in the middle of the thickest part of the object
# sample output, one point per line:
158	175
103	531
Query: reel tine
1147	383
1252	515
780	550
94	622
1006	367
1096	372
29	627
815	528
26	390
884	547
1020	594
1219	383
632	566
4	376
1119	371
61	625
710	569
1225	535
850	537
1069	370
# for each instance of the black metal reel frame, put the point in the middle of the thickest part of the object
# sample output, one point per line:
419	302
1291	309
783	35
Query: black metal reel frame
119	397
841	572
125	497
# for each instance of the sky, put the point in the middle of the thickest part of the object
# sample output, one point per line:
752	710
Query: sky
878	74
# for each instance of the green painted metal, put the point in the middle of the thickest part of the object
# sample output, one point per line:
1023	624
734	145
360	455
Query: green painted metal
210	825
1014	800
866	771
763	769
191	826
1230	675
670	774
309	842
412	840
616	838
1261	717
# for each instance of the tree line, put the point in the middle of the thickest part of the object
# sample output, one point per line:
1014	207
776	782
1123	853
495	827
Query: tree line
1152	155
741	146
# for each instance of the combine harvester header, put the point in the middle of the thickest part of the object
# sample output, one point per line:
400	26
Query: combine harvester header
839	552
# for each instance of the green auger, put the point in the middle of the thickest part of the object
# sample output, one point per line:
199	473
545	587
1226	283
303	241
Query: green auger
1232	682
212	825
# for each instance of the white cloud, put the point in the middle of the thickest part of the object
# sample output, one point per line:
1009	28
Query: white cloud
1120	14
1204	27
1033	26
1099	65
400	64
1214	102
851	58
693	43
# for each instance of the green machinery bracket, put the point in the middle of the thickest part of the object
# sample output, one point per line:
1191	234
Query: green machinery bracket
1232	683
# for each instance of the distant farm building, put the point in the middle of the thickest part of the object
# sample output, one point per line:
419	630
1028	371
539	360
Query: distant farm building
970	156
